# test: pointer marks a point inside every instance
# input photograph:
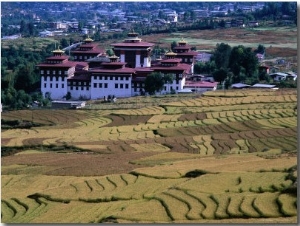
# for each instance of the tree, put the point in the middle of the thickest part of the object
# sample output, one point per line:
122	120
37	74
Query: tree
24	78
193	15
68	96
286	7
260	49
154	82
222	23
221	55
109	52
236	58
173	45
207	67
22	27
220	75
15	99
168	78
64	43
31	29
186	16
250	63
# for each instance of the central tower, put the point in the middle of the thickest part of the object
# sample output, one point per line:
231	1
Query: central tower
134	51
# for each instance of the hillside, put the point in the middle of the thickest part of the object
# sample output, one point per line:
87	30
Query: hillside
222	157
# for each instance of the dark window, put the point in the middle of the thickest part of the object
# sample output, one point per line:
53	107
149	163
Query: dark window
56	85
87	88
117	78
100	85
126	86
81	87
116	85
105	85
45	84
95	85
76	87
62	85
50	85
121	86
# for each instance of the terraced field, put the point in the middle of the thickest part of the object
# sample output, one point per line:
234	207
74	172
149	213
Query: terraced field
223	157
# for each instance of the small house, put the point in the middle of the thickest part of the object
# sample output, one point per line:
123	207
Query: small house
200	86
280	76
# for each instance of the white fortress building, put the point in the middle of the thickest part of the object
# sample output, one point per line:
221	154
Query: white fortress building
121	75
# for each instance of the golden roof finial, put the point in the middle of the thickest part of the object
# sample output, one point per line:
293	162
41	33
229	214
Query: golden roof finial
182	41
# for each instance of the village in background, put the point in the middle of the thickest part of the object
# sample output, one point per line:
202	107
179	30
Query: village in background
75	67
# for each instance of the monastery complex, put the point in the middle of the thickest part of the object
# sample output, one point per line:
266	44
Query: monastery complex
94	75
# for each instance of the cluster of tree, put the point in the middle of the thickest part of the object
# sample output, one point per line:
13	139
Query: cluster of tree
19	99
156	81
28	29
236	64
276	10
20	80
232	64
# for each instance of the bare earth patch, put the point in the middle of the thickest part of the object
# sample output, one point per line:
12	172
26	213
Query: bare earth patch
76	164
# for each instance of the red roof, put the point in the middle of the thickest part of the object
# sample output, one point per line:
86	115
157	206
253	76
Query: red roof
67	64
182	47
94	51
88	45
133	44
174	60
179	67
112	71
143	69
82	77
81	65
64	57
201	84
113	63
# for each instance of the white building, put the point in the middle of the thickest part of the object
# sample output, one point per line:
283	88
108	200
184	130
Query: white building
118	76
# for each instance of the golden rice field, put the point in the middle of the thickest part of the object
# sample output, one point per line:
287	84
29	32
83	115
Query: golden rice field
222	157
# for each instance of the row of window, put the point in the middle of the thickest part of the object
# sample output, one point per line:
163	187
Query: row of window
80	57
111	78
117	85
54	61
56	85
138	85
77	83
82	88
48	72
187	60
100	85
121	86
